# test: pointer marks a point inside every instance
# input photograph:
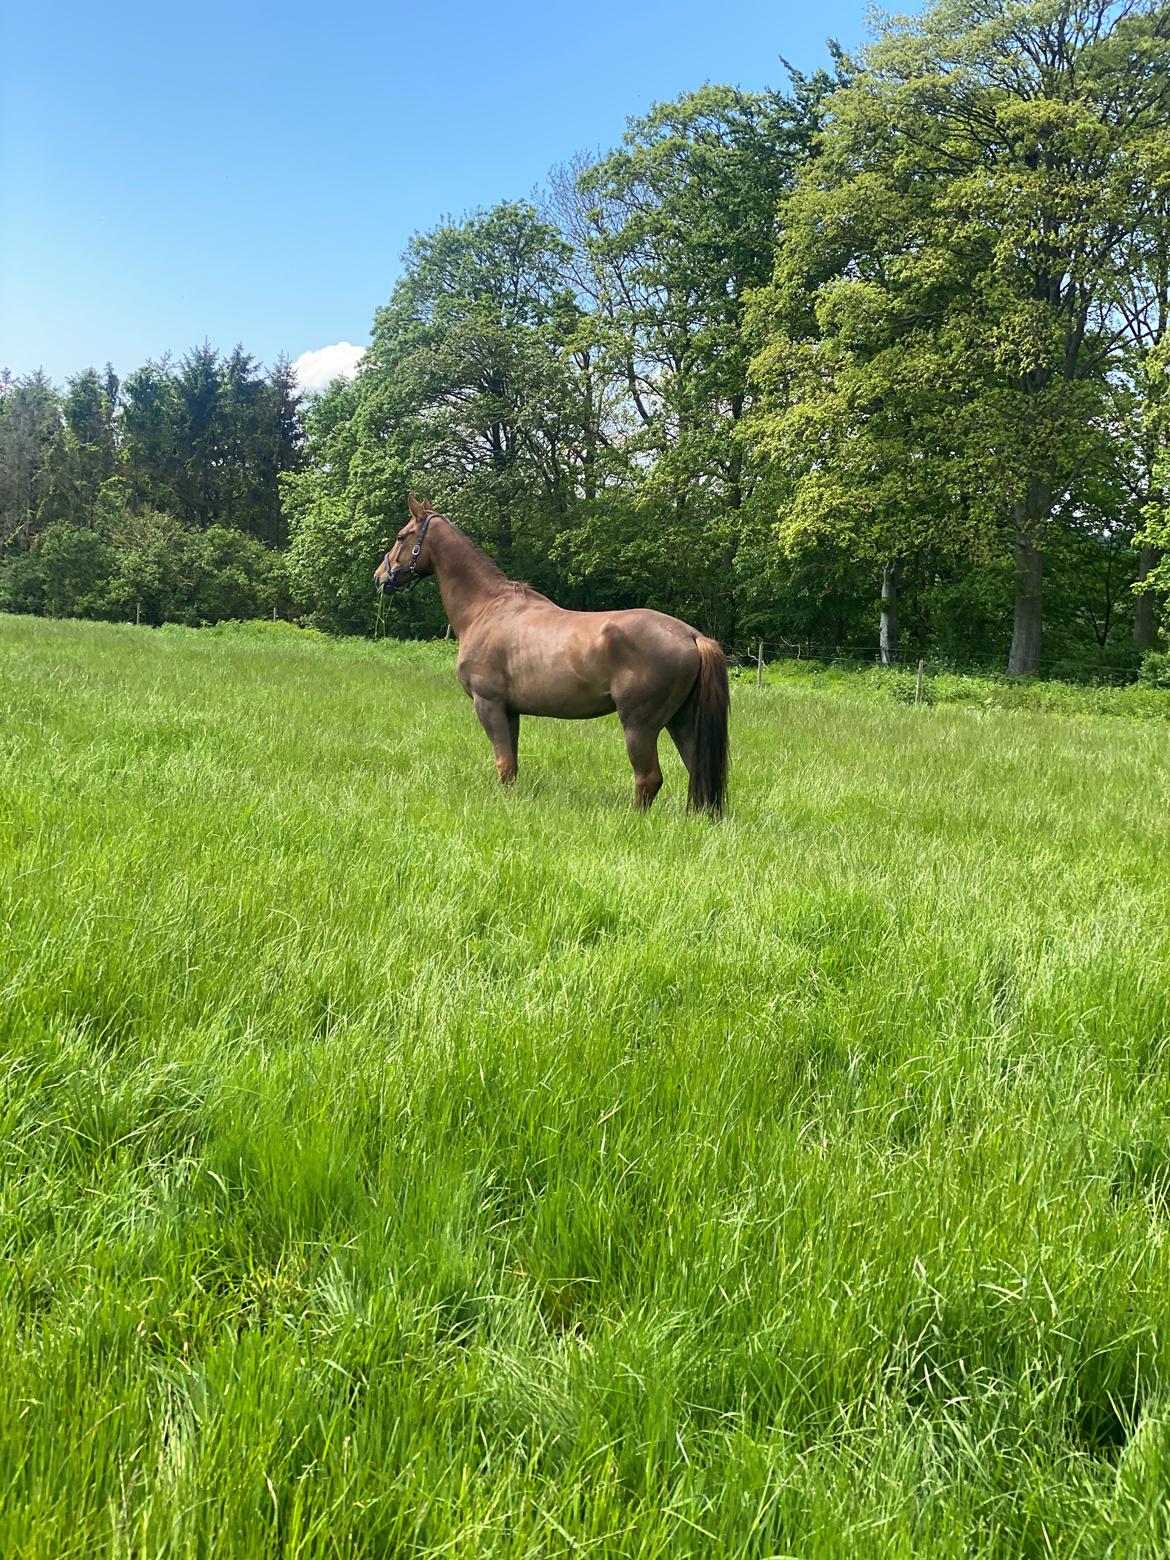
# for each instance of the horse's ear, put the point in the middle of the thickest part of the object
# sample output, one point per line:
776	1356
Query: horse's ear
417	510
428	507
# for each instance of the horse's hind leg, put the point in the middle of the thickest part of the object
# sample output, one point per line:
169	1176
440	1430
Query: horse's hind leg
514	737
503	729
642	746
681	726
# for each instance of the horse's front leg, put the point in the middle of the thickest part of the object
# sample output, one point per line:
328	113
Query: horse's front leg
503	729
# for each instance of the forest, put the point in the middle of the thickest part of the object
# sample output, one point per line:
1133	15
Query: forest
873	364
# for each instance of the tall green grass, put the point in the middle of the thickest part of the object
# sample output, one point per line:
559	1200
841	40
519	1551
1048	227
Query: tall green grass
1146	699
393	1165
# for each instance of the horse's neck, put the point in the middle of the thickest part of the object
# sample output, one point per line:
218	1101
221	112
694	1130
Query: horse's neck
468	579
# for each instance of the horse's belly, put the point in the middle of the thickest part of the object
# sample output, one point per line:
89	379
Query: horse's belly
567	703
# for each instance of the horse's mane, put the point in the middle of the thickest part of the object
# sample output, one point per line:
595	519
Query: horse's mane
513	587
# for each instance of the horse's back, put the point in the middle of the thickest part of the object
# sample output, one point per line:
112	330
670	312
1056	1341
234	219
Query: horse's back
541	659
644	624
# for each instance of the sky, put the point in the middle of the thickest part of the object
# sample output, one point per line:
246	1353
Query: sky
252	172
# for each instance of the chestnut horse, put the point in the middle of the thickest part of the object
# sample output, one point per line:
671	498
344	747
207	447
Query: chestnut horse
521	654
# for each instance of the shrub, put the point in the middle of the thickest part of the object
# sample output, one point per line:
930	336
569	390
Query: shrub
1155	669
168	573
22	584
76	564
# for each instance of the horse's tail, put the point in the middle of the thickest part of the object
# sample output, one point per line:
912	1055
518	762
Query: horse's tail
711	699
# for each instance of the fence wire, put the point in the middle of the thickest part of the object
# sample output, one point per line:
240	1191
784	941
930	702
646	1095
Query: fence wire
748	656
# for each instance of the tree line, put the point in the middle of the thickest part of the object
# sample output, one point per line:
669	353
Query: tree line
156	499
875	362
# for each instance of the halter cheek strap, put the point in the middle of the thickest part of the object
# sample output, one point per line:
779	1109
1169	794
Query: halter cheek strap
393	575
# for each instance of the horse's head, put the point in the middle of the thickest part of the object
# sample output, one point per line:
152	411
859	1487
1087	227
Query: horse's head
407	560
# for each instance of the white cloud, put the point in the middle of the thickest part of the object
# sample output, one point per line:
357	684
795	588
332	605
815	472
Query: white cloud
316	370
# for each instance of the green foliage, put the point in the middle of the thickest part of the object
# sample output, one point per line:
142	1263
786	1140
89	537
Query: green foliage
22	583
85	452
332	557
1147	699
343	510
151	570
1156	428
394	1166
1155	669
674	230
168	574
467	381
30	428
943	354
465	392
150	501
76	565
208	440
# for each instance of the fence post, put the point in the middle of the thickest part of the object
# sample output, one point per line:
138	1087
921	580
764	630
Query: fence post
918	685
760	665
137	613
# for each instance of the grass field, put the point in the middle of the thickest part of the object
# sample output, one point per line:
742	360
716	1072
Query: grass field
392	1166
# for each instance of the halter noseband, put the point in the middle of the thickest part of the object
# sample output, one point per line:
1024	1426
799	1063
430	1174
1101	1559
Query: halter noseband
394	574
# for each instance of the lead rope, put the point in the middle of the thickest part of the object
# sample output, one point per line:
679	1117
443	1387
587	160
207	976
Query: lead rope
415	551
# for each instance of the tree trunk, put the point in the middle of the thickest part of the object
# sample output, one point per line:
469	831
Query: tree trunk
888	626
1144	625
1024	656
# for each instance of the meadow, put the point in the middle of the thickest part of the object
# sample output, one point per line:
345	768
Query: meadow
394	1166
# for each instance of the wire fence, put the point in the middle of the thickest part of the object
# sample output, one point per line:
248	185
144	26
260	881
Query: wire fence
758	654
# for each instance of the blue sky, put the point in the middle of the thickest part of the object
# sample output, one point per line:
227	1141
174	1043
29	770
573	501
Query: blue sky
252	172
